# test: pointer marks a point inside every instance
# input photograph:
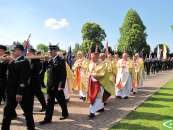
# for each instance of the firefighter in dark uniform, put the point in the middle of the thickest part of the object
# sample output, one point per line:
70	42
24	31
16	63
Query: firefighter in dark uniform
56	83
36	67
18	90
3	76
147	65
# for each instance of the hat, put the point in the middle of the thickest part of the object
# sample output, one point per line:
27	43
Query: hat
32	50
53	47
3	47
18	46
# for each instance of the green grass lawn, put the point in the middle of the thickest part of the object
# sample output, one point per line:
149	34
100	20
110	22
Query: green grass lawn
152	113
44	90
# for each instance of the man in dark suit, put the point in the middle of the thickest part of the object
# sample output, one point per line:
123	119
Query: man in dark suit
56	83
18	90
36	67
3	71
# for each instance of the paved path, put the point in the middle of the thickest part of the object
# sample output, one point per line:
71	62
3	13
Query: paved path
115	110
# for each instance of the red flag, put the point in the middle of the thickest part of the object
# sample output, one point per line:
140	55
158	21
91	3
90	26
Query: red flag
26	44
106	49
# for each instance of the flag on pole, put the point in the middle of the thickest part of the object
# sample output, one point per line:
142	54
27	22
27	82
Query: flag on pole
158	52
97	49
26	44
106	49
70	57
164	51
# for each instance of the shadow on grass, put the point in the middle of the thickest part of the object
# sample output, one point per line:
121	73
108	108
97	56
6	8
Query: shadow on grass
126	126
161	99
153	105
147	116
163	94
166	88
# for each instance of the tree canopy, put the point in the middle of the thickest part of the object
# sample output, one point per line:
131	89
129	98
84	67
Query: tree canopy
133	35
92	34
42	47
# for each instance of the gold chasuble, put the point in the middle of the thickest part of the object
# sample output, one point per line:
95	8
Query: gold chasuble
70	77
80	68
103	73
135	73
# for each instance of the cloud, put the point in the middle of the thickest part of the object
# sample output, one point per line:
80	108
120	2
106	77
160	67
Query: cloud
56	24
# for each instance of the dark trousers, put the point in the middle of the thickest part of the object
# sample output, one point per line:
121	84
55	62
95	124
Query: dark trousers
2	89
59	95
26	105
35	85
147	66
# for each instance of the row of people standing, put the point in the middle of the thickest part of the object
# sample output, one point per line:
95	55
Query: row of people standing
154	65
22	83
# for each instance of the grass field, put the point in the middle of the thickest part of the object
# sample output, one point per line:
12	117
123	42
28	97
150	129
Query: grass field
44	90
151	115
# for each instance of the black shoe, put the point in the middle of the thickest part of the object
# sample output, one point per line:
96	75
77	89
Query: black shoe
56	102
43	110
63	117
84	99
32	129
101	110
91	115
134	93
118	97
44	122
67	100
126	97
14	117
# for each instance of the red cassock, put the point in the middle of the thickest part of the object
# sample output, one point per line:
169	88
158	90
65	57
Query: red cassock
93	90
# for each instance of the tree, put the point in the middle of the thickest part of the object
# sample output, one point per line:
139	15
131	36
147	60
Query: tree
76	48
133	35
42	47
147	50
172	27
92	34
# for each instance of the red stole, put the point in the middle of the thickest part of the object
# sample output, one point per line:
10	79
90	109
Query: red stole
93	90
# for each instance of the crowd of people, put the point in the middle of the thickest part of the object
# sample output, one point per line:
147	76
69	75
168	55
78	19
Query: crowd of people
95	78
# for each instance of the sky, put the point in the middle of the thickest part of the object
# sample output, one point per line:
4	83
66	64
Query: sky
60	21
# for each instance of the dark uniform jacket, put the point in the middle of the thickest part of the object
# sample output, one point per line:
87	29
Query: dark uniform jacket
18	77
56	73
36	67
3	69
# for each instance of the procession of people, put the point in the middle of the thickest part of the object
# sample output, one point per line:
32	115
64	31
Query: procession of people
95	78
